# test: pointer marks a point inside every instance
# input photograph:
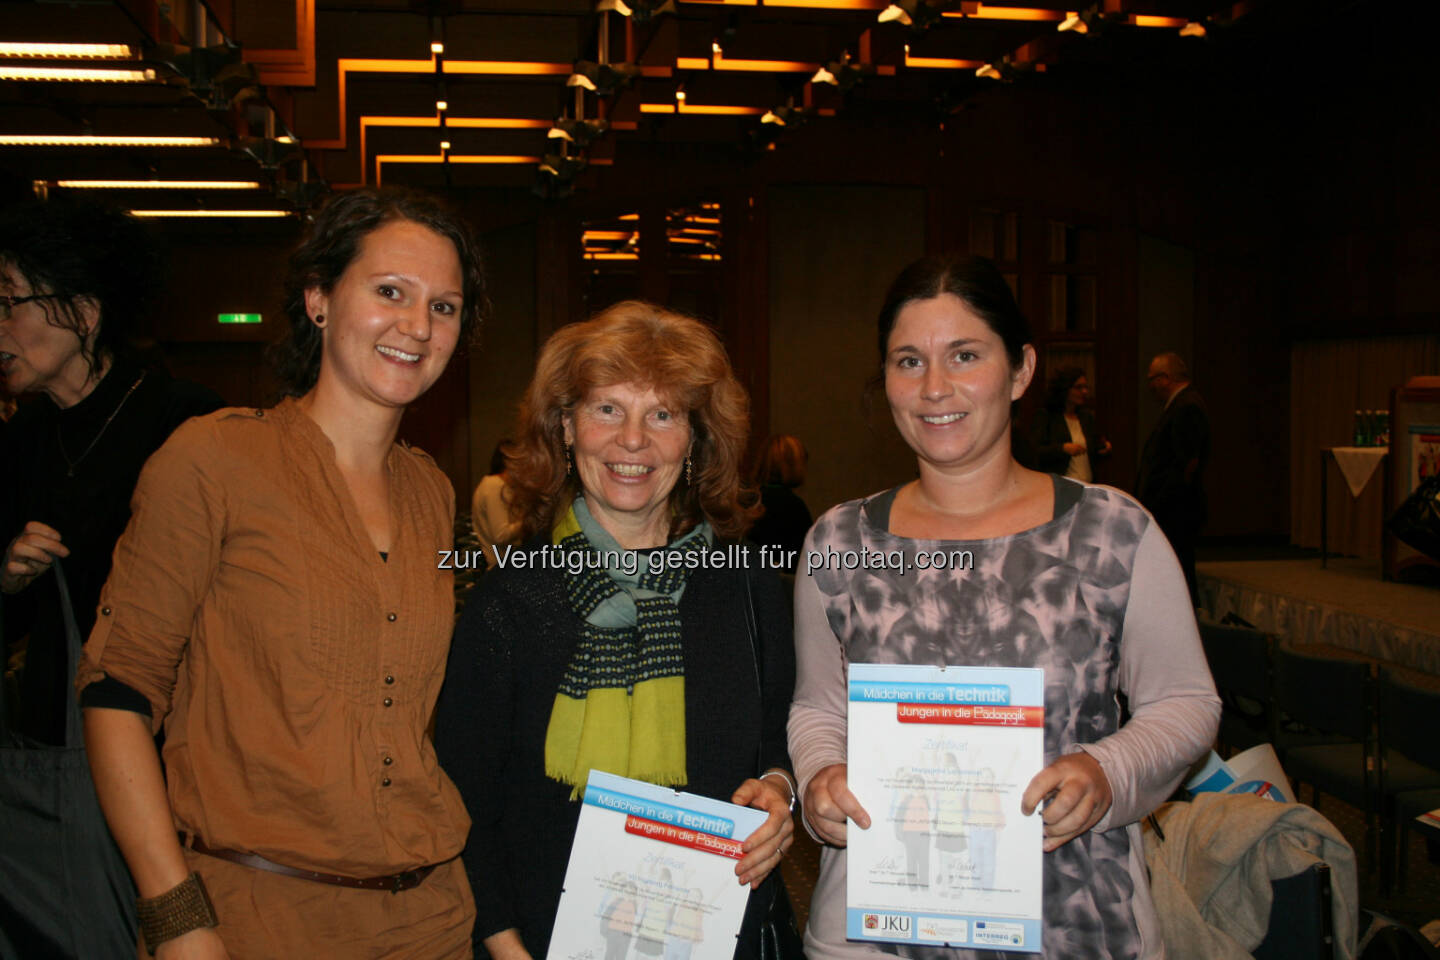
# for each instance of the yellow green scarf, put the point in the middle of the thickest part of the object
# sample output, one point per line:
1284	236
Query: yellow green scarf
621	703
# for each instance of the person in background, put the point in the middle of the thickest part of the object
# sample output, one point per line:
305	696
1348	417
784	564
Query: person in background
1063	437
786	519
76	280
278	611
490	508
1072	578
635	662
1172	465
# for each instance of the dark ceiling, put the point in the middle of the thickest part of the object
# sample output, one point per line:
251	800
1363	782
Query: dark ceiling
300	96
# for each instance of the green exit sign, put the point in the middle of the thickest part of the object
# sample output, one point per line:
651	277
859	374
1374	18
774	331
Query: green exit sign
239	318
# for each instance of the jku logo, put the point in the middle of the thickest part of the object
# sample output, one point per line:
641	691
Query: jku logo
891	923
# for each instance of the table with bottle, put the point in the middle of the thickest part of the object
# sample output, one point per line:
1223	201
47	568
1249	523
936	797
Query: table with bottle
1358	463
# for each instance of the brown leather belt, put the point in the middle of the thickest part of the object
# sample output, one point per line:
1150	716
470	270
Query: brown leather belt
395	882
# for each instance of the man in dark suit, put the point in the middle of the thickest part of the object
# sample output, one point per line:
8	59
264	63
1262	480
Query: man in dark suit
1173	461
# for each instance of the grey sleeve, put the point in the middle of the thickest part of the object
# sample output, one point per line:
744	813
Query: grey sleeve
817	716
1173	706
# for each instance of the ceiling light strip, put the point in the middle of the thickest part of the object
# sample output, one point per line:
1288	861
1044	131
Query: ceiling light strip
87	51
1143	20
764	66
75	75
90	140
940	63
509	68
158	184
212	214
831	4
980	11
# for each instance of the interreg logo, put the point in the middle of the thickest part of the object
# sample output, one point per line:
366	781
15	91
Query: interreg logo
888	924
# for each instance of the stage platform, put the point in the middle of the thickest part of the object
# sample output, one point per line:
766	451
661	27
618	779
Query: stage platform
1345	605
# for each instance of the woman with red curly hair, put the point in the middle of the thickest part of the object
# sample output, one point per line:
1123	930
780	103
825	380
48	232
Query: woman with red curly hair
615	637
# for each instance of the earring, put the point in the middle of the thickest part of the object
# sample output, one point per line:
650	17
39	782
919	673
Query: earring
319	320
569	458
689	469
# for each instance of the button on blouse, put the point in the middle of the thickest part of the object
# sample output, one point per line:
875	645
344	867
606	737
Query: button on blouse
246	604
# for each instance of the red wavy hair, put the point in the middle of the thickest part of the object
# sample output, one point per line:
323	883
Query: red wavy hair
678	357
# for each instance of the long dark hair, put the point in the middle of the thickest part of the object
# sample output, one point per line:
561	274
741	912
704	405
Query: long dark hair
975	281
332	243
79	249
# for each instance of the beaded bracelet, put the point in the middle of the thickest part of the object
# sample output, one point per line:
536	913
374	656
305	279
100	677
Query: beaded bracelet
184	907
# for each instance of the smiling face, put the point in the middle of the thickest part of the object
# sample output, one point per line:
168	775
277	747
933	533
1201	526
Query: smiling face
392	320
949	382
1079	394
36	355
630	446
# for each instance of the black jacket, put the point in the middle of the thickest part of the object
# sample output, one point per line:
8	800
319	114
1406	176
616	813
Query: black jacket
514	640
1181	435
1048	435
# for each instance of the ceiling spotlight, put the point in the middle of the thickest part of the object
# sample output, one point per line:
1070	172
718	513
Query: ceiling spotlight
680	95
715	48
284	138
556	133
771	117
441	106
580	80
444	144
894	12
437	47
619	6
1193	29
1073	24
824	76
989	71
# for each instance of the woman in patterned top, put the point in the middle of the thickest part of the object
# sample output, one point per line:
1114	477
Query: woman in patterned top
1072	578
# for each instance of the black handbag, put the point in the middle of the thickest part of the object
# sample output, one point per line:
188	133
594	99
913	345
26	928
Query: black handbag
64	889
779	937
1417	520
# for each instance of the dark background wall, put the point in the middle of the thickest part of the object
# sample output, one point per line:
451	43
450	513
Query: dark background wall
1236	208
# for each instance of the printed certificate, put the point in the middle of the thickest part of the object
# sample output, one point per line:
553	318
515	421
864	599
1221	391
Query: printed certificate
652	874
939	758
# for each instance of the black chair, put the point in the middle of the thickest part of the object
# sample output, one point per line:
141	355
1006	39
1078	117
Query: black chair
1240	663
1302	921
1410	767
1335	697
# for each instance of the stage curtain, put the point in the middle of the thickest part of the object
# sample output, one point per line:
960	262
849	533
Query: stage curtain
1329	381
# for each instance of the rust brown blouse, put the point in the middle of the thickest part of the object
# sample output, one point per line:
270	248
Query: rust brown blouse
293	669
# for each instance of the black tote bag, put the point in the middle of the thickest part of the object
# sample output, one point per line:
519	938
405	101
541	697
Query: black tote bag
64	889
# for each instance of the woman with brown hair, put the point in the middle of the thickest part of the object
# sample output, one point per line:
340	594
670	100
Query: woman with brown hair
276	609
616	638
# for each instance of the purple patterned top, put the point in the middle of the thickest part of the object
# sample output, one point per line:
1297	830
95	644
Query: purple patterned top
1096	598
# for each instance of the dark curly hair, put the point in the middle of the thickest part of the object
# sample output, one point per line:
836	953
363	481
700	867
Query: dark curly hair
331	244
76	249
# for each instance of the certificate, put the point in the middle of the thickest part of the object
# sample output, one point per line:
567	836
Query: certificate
652	874
939	757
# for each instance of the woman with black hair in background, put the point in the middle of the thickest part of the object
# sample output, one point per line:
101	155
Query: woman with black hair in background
75	280
1063	437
